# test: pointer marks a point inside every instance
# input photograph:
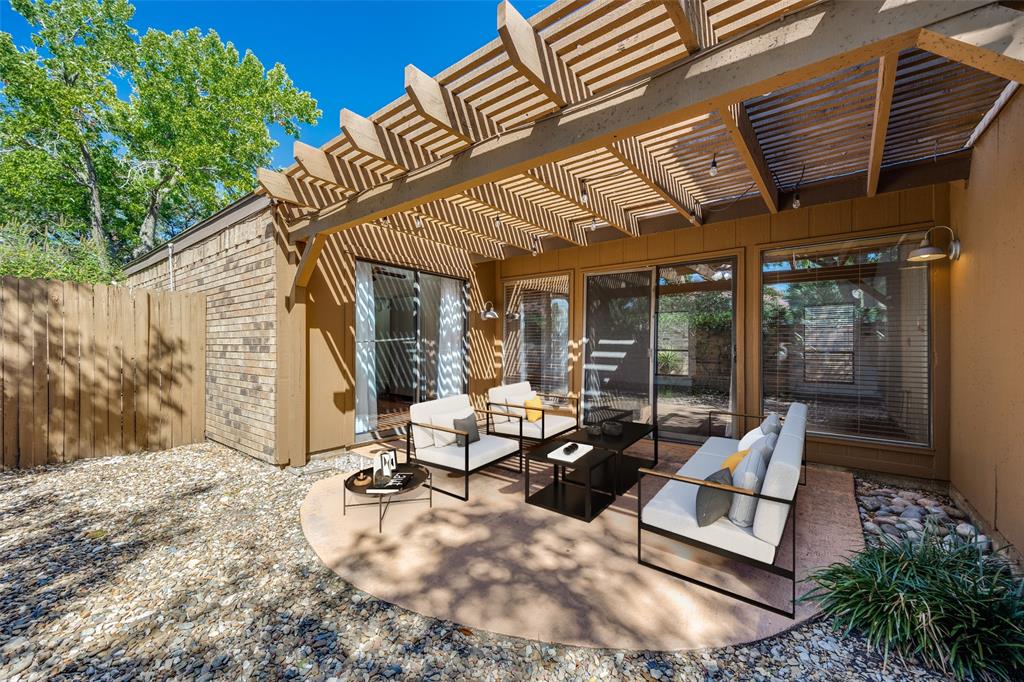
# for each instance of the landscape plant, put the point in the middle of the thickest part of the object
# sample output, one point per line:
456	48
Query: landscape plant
947	603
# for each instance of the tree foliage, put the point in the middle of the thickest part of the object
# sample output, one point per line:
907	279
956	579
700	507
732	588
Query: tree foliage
123	139
56	254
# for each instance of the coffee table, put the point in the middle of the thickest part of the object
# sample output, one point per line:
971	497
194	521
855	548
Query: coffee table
579	500
420	475
625	467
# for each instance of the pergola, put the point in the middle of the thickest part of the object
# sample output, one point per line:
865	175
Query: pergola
574	126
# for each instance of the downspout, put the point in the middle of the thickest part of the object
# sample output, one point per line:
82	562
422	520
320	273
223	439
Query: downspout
170	264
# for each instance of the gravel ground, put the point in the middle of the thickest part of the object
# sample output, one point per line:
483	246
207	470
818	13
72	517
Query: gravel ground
191	564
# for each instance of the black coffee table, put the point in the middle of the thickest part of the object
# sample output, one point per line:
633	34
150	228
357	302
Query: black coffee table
625	467
579	500
420	475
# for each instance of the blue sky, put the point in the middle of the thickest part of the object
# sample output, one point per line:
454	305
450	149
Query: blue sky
345	53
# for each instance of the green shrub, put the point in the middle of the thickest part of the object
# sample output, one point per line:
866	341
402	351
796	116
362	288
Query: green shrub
33	253
956	609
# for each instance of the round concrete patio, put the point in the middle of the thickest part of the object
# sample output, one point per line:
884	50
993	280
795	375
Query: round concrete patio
498	564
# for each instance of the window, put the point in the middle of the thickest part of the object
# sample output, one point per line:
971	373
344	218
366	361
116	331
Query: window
846	330
536	335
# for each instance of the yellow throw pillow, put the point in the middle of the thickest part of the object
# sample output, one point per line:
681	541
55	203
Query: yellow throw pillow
733	460
533	415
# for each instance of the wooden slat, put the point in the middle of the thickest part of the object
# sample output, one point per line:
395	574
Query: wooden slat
991	39
41	394
89	401
143	372
117	333
880	120
329	168
445	109
570	188
684	25
10	351
72	371
101	371
533	214
57	413
23	369
198	405
129	417
649	170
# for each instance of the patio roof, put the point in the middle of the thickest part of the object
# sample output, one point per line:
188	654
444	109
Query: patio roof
573	126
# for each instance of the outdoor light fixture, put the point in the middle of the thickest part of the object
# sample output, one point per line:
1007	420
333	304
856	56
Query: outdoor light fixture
796	200
488	313
584	197
927	252
497	223
593	224
713	170
418	221
536	246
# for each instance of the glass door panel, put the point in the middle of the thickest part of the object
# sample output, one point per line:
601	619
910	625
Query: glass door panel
617	355
442	351
695	365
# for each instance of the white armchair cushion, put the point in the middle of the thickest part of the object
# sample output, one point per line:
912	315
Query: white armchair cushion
481	453
499	394
554	424
447	420
422	413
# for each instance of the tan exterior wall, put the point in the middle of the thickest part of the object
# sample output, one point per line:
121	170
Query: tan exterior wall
235	268
330	318
745	239
987	333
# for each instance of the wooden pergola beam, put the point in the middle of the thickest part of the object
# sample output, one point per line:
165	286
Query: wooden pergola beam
649	170
329	168
536	61
880	122
295	191
737	123
991	39
800	47
445	109
684	25
510	203
382	144
447	234
453	213
307	263
556	179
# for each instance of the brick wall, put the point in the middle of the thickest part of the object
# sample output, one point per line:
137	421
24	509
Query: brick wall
235	268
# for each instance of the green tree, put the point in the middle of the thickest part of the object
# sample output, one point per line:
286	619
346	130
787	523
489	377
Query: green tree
57	94
196	124
124	170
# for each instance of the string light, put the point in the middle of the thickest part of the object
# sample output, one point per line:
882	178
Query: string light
713	169
418	222
497	223
796	200
593	224
584	196
536	246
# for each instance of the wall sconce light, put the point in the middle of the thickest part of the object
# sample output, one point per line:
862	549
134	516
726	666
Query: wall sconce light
488	313
927	252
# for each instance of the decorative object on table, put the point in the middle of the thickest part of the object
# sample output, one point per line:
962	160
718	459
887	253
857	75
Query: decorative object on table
594	429
384	464
570	452
612	428
362	479
404	479
393	484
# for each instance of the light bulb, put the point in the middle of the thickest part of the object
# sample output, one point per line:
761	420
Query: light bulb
796	200
593	224
713	170
584	197
418	221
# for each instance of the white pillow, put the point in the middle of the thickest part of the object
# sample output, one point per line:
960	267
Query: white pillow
771	424
519	399
447	420
749	474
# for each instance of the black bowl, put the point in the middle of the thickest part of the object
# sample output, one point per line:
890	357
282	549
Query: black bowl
594	429
612	428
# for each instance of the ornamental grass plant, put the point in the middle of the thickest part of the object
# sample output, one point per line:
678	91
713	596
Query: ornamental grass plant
954	607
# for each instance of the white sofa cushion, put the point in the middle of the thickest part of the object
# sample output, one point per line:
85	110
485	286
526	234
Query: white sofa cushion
554	424
500	394
749	474
447	420
482	452
782	477
673	509
422	413
717	445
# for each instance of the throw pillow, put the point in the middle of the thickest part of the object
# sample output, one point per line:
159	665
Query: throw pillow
750	475
771	424
534	415
447	420
771	440
518	399
467	424
712	503
749	438
734	459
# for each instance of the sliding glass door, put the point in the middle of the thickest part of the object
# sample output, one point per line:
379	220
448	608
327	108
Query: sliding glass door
691	308
410	342
695	371
617	351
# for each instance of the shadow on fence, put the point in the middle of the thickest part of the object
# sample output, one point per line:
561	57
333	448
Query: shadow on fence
93	371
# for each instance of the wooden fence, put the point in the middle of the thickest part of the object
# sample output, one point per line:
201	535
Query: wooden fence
91	371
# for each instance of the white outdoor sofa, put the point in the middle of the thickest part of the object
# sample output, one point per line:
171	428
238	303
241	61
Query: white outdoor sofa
420	445
504	403
671	512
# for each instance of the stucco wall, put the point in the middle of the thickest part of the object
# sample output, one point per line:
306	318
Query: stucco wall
987	334
235	268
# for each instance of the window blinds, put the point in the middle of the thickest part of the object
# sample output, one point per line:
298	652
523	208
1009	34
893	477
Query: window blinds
846	329
536	334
